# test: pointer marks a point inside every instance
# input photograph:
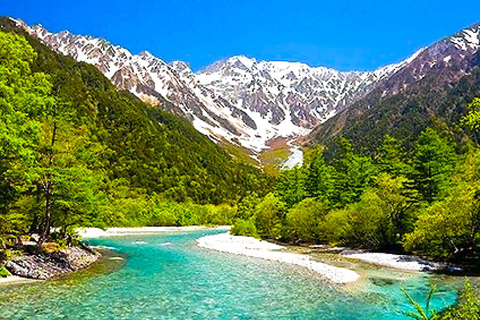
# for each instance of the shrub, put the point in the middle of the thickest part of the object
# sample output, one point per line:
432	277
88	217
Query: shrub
244	228
301	222
3	272
50	247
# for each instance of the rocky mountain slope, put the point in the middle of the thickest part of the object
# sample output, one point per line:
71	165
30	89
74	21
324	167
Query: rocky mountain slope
239	100
432	90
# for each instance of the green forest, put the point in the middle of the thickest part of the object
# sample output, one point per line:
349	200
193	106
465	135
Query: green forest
76	152
425	200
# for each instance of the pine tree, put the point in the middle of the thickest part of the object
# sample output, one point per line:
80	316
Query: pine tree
391	158
433	163
353	174
319	176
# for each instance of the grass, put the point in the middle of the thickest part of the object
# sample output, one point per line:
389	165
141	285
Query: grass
272	159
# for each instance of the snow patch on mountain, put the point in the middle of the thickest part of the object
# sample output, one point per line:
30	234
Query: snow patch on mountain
239	99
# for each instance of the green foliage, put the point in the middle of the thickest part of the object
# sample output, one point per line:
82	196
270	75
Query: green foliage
472	118
247	206
319	181
391	158
433	164
449	227
381	216
244	228
302	221
268	216
468	307
353	174
3	272
290	186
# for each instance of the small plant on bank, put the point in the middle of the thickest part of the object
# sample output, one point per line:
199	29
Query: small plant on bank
467	308
421	313
50	247
3	272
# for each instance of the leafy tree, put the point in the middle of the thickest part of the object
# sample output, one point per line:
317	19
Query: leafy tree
378	220
24	95
472	119
302	221
269	215
451	227
246	206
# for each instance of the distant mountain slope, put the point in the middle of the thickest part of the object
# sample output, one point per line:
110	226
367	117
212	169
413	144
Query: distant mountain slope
432	90
145	148
238	99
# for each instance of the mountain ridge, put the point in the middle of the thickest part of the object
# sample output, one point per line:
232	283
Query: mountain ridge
237	100
431	91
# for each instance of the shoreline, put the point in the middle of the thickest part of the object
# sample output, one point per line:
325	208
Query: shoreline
46	266
395	261
87	233
248	246
15	280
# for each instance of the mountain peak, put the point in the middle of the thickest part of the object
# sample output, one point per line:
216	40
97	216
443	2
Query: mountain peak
237	99
468	38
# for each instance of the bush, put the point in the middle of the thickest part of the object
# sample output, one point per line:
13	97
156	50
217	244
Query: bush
50	247
468	307
3	272
244	228
268	215
301	222
449	227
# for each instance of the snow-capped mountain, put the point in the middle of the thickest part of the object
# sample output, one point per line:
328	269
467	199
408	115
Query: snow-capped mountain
432	88
239	100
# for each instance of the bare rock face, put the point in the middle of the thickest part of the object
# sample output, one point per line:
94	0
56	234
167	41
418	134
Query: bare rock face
47	266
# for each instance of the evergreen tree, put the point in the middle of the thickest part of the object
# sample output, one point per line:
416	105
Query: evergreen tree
319	176
391	158
353	174
290	187
433	164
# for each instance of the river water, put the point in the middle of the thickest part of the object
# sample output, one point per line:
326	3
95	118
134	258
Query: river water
169	277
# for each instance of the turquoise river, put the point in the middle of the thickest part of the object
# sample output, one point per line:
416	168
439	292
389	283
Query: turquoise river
168	277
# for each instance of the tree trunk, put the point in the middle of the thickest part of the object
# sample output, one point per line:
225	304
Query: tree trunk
48	191
48	215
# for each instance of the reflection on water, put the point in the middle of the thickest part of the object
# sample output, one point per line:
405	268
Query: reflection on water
169	277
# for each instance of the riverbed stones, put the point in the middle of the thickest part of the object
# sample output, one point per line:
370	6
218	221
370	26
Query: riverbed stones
46	266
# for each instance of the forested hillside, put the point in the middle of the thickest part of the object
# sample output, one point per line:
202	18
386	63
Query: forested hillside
407	103
421	199
75	151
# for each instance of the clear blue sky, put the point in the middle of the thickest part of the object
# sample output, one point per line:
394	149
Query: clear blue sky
345	35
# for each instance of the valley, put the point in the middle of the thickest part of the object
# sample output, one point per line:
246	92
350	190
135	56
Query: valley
132	187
